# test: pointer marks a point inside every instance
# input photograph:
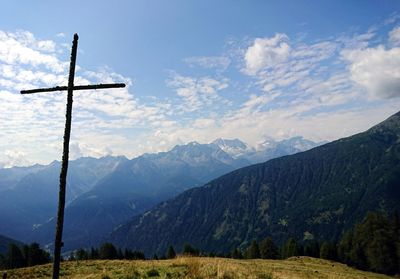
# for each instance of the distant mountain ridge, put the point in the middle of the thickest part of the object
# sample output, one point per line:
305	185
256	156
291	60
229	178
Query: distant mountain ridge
32	199
234	147
315	194
106	192
265	150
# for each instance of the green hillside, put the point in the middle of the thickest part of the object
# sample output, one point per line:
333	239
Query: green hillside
316	194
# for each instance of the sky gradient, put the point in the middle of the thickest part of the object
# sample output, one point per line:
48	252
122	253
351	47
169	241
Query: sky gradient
196	71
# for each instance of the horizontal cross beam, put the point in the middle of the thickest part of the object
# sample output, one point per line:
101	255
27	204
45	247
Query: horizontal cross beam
77	87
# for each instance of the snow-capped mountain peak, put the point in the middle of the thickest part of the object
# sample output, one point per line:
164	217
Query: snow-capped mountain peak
233	147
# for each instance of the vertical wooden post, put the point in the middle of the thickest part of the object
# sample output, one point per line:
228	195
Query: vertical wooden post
67	133
64	167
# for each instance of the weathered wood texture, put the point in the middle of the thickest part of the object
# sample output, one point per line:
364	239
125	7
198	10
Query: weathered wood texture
76	87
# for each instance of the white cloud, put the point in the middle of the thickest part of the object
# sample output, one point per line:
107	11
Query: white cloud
209	62
257	102
266	52
22	48
197	92
38	120
204	123
78	150
314	89
15	158
376	69
304	61
394	36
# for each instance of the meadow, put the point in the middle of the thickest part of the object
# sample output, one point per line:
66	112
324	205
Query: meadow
199	268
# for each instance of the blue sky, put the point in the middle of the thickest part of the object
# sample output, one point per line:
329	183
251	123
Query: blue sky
196	70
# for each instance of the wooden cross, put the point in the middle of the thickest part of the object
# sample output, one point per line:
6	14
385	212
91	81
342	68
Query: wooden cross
67	132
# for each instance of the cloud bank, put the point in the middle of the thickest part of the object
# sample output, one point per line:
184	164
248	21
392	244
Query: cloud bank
267	87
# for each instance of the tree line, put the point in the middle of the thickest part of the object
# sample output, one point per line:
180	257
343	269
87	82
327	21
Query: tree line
107	251
372	245
23	256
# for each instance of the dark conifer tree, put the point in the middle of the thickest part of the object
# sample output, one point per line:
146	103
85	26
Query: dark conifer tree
189	250
344	247
108	251
120	255
311	249
373	245
328	251
2	261
171	252
357	252
138	255
37	255
128	254
290	249
253	251
94	254
81	254
15	258
236	254
268	249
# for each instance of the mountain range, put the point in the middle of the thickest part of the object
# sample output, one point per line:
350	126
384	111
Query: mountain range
104	193
316	194
31	195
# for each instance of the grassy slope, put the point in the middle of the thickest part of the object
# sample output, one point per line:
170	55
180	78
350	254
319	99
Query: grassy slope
299	267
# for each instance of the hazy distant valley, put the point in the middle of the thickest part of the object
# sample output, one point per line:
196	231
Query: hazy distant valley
105	193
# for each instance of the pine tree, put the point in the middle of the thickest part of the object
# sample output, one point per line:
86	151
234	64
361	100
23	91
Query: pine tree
236	254
81	254
268	249
328	251
171	252
108	251
253	251
36	255
311	249
380	251
357	253
15	258
2	262
395	224
290	249
189	250
94	254
138	255
120	255
373	245
25	253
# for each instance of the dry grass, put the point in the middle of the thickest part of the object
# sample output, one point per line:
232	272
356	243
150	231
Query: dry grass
200	268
